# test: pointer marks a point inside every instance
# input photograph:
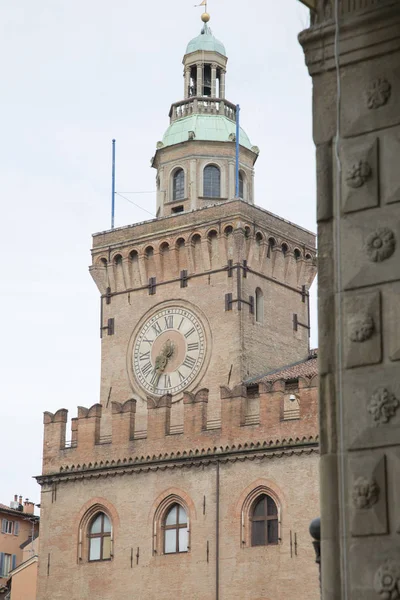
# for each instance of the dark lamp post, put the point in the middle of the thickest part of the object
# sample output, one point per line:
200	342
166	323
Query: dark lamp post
315	532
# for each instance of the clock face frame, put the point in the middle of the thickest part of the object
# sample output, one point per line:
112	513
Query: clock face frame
168	351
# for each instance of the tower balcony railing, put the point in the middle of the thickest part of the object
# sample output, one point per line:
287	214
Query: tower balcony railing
202	105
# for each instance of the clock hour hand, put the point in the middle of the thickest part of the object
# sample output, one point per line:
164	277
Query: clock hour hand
162	359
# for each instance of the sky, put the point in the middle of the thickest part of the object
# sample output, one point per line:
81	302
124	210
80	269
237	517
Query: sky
76	74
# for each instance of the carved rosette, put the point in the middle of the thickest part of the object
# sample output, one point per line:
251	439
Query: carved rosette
378	93
365	493
383	406
380	244
387	581
359	174
361	328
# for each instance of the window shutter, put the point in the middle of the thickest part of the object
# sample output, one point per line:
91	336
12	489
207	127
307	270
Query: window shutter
14	561
16	528
4	526
1	563
251	303
228	301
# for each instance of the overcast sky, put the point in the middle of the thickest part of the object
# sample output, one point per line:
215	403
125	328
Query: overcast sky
75	74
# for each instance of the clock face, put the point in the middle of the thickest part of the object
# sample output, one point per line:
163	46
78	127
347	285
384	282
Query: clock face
169	351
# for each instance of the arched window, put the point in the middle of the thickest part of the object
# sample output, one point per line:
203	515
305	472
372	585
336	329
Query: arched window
211	182
259	306
241	185
175	530
178	185
99	534
264	521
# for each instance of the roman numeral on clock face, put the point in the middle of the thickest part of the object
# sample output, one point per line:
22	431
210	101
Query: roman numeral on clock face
189	333
147	368
145	356
167	381
189	362
194	346
169	322
157	329
154	378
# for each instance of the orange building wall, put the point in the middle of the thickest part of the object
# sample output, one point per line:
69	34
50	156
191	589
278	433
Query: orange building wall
24	583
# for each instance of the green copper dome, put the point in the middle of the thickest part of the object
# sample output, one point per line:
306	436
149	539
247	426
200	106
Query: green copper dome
206	41
214	128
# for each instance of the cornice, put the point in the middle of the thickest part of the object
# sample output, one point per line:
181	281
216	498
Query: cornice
381	22
185	459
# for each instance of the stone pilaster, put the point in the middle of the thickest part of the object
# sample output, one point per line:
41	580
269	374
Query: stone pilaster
359	280
199	79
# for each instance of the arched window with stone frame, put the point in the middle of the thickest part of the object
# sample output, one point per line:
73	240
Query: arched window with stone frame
99	534
212	182
171	526
96	535
261	518
264	521
175	530
178	184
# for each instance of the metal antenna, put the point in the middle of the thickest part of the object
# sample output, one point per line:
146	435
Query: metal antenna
113	186
237	149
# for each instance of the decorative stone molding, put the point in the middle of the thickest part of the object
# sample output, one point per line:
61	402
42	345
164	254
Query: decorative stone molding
387	580
361	328
365	493
380	244
382	406
378	93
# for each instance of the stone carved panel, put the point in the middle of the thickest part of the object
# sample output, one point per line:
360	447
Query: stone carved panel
369	99
389	150
372	248
362	314
360	170
374	411
368	495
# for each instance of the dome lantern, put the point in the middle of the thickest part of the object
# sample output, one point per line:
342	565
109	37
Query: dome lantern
200	142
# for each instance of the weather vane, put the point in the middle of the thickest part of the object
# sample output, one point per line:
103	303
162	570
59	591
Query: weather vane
205	17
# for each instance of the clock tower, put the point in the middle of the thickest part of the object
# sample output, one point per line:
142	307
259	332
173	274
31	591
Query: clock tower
214	290
196	474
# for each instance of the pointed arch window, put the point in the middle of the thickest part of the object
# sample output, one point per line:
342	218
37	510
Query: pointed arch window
99	534
212	182
264	521
176	535
259	306
178	192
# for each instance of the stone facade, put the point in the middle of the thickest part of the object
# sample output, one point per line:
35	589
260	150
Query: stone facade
358	240
238	431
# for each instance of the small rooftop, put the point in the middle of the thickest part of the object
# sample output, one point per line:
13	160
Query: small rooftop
306	368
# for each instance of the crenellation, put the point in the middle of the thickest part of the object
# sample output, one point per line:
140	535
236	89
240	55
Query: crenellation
244	417
123	421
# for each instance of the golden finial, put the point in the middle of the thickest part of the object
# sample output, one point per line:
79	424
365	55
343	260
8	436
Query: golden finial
205	17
